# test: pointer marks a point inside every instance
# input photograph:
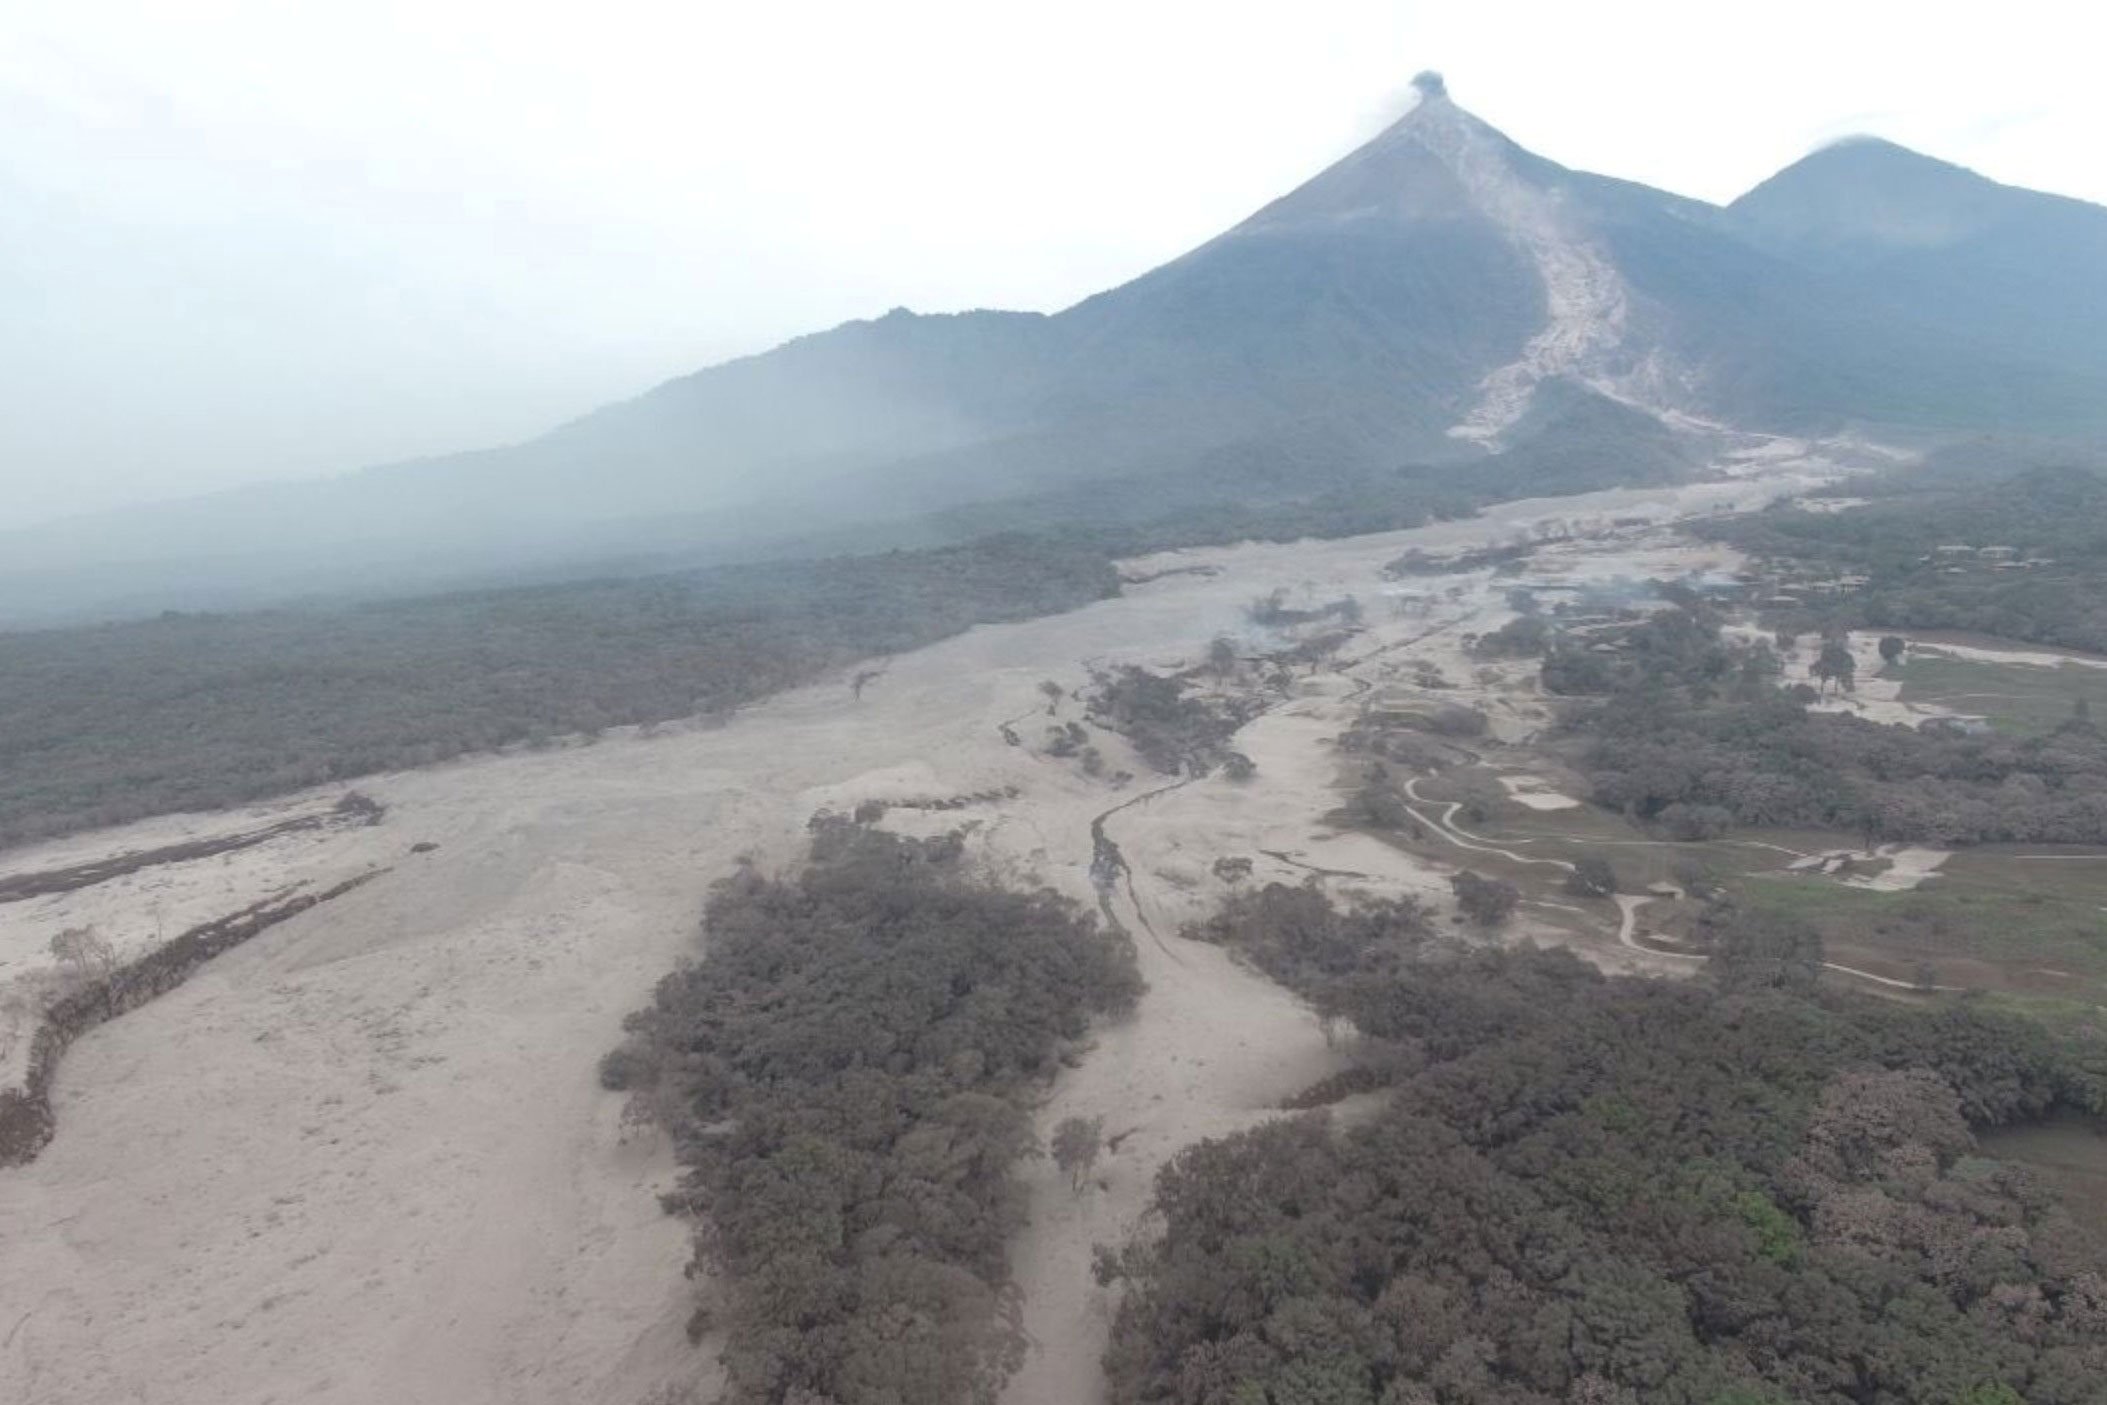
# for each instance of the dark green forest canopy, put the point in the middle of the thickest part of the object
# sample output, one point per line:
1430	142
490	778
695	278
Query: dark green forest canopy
846	1075
2043	581
1619	1191
1673	722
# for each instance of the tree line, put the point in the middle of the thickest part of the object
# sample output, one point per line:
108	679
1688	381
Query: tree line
109	723
2045	580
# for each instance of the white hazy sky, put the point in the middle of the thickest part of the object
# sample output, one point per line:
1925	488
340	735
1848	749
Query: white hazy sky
247	239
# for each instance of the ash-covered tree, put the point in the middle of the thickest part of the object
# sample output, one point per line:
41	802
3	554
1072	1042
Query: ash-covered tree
1691	824
1754	949
1077	1141
84	952
1835	665
1485	901
1592	877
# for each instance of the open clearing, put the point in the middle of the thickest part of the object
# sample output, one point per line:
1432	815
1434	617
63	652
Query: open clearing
2024	699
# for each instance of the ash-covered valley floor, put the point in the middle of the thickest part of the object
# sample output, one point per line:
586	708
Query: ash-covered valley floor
365	1158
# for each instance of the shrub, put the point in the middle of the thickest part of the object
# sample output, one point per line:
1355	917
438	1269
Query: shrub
1695	823
1592	877
1485	901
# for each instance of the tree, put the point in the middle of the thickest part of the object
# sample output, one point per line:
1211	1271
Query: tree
1757	950
85	952
1238	767
1076	1144
1053	693
1872	823
1485	901
1694	878
1454	720
1892	648
1380	805
1835	664
1692	824
1592	877
1221	656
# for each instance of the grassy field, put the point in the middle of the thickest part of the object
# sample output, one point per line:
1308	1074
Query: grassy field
2018	699
1640	858
1988	922
2069	1153
2027	923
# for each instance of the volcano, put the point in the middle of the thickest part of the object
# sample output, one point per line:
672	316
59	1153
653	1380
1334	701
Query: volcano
1409	304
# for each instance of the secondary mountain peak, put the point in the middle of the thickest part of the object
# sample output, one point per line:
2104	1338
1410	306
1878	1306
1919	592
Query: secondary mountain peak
2016	274
1873	190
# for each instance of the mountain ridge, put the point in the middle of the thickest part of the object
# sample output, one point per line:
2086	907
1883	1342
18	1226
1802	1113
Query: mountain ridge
1401	306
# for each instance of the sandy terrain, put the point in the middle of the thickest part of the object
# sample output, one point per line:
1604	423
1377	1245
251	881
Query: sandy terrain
364	1158
2034	657
137	911
1903	867
1909	866
1535	793
1875	695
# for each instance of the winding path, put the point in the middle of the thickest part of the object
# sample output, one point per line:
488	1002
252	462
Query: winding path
1628	904
1109	872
